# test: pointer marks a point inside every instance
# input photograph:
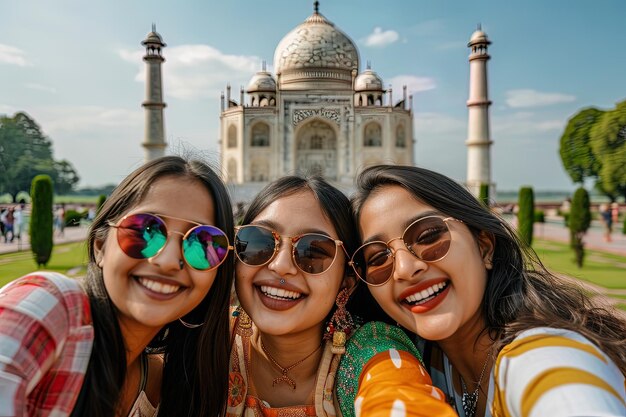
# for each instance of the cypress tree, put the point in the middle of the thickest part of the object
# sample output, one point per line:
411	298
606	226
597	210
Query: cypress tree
483	194
41	219
579	221
526	214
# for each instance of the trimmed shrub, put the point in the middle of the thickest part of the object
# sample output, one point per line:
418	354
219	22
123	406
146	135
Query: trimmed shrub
73	218
483	194
41	219
101	199
579	222
540	216
526	214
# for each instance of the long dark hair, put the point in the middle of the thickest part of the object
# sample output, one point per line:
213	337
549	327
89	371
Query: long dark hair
336	207
520	292
195	374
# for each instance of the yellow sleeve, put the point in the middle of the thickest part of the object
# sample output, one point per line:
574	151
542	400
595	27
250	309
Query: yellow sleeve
394	382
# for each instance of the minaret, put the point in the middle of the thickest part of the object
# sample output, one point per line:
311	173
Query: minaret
478	139
154	137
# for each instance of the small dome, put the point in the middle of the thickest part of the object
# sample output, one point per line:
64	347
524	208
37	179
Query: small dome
368	80
153	37
478	37
262	81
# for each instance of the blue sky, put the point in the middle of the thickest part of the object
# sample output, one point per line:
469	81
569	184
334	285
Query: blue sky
75	66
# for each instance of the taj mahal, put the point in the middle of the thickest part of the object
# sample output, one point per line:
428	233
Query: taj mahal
319	113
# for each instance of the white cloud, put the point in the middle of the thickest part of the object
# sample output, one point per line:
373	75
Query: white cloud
40	87
429	124
199	71
524	125
12	55
413	84
524	98
87	119
380	38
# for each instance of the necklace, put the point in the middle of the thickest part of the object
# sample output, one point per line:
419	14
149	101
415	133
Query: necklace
284	370
470	400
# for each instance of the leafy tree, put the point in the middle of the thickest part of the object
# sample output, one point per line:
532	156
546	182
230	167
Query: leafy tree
579	221
526	214
41	219
608	142
25	152
576	154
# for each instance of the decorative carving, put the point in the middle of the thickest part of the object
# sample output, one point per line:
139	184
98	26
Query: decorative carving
333	115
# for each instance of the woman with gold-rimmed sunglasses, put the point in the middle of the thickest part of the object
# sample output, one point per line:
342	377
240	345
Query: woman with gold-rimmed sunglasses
501	334
147	331
293	282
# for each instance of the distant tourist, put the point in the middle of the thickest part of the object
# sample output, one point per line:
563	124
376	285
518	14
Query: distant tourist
19	221
59	219
607	220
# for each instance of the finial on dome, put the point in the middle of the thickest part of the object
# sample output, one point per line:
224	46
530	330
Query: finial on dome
263	66
316	7
479	27
154	27
369	65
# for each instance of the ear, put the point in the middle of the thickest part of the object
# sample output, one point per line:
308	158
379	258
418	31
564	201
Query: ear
486	245
98	250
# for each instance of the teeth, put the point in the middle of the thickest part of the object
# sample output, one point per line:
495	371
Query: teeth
426	293
159	287
279	293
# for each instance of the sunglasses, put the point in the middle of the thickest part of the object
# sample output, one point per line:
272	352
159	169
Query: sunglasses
312	253
427	239
144	235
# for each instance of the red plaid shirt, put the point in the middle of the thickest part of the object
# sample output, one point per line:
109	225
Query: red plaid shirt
46	336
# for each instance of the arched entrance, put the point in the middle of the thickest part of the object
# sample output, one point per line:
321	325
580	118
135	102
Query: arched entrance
316	149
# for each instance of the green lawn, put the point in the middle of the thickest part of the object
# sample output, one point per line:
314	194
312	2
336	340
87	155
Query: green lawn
65	259
601	268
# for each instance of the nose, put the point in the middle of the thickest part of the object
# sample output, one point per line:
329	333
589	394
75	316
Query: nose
169	258
282	263
406	265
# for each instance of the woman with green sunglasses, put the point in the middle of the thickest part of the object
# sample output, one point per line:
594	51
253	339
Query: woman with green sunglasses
501	335
299	304
146	331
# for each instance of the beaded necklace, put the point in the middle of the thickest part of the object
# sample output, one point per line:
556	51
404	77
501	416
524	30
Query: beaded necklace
470	400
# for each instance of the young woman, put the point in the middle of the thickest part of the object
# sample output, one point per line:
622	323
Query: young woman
508	338
293	286
158	281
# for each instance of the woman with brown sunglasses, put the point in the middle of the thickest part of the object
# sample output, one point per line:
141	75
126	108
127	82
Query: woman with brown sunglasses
294	284
501	335
146	331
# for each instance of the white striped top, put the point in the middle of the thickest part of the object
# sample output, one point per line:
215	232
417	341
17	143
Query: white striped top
556	373
547	372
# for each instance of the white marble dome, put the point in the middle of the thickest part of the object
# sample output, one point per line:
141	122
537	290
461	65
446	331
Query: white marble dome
368	80
262	81
478	37
316	49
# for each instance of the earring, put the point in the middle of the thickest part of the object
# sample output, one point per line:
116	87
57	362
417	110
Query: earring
488	264
243	322
189	325
341	324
